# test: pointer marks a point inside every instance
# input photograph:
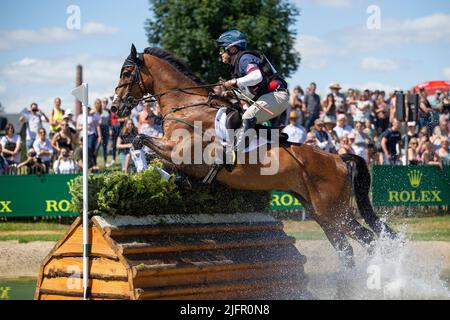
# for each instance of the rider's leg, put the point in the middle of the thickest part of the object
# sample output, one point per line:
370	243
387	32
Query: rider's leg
277	102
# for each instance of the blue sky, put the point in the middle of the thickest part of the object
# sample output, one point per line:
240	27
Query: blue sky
38	54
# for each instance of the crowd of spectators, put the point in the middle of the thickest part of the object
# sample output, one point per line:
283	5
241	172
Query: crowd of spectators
357	122
364	123
60	150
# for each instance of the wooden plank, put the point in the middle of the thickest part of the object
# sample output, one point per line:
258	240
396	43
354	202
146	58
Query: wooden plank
60	295
181	262
254	294
74	244
183	229
177	292
46	296
187	269
98	267
136	248
208	276
75	286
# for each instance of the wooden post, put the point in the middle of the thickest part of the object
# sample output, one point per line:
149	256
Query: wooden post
78	82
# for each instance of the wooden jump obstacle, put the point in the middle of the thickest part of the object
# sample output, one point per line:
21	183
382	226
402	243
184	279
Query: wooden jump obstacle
245	256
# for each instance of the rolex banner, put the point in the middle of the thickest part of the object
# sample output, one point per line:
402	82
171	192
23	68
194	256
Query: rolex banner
35	195
48	195
410	185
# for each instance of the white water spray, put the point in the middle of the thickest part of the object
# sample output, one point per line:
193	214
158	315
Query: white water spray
397	269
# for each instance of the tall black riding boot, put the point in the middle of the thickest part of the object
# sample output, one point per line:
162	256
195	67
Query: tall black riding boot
240	139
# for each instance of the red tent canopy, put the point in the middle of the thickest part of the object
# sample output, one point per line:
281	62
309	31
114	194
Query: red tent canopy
432	86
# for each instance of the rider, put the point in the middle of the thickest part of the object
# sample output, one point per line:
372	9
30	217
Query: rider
256	78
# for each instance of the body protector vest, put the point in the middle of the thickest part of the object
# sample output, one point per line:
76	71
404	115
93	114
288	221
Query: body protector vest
271	80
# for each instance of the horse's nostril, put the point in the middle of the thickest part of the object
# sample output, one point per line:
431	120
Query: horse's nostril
114	109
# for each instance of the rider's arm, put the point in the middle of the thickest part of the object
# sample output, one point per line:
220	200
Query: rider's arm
251	79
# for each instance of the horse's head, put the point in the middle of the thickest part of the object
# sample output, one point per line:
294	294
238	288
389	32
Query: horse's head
131	88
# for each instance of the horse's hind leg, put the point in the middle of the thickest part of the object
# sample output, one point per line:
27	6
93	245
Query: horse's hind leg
340	244
356	231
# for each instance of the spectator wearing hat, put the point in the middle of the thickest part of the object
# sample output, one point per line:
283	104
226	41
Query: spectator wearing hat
311	106
329	126
324	140
43	148
342	128
296	133
11	143
33	117
339	98
68	114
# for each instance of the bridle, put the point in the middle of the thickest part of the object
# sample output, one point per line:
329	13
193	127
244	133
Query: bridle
130	101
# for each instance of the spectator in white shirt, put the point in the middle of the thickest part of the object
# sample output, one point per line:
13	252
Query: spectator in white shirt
296	133
342	128
33	117
43	148
363	108
65	164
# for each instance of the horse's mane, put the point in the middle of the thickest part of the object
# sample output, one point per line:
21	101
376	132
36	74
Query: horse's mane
175	62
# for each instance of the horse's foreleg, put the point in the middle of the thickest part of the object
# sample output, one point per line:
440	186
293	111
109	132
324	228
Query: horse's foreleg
161	147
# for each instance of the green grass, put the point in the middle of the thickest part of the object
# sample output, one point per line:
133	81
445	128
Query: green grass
418	229
308	235
31	226
25	238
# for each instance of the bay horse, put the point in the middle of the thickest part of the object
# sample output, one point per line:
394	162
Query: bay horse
321	181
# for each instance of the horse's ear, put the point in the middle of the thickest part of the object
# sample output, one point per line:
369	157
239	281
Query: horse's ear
133	53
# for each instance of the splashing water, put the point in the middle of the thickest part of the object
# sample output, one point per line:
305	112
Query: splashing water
397	269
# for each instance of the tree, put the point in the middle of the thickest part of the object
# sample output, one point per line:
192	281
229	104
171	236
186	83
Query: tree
189	29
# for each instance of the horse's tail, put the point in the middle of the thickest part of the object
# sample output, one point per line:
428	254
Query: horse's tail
361	186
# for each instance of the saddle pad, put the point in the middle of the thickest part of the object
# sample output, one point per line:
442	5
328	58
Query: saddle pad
223	135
